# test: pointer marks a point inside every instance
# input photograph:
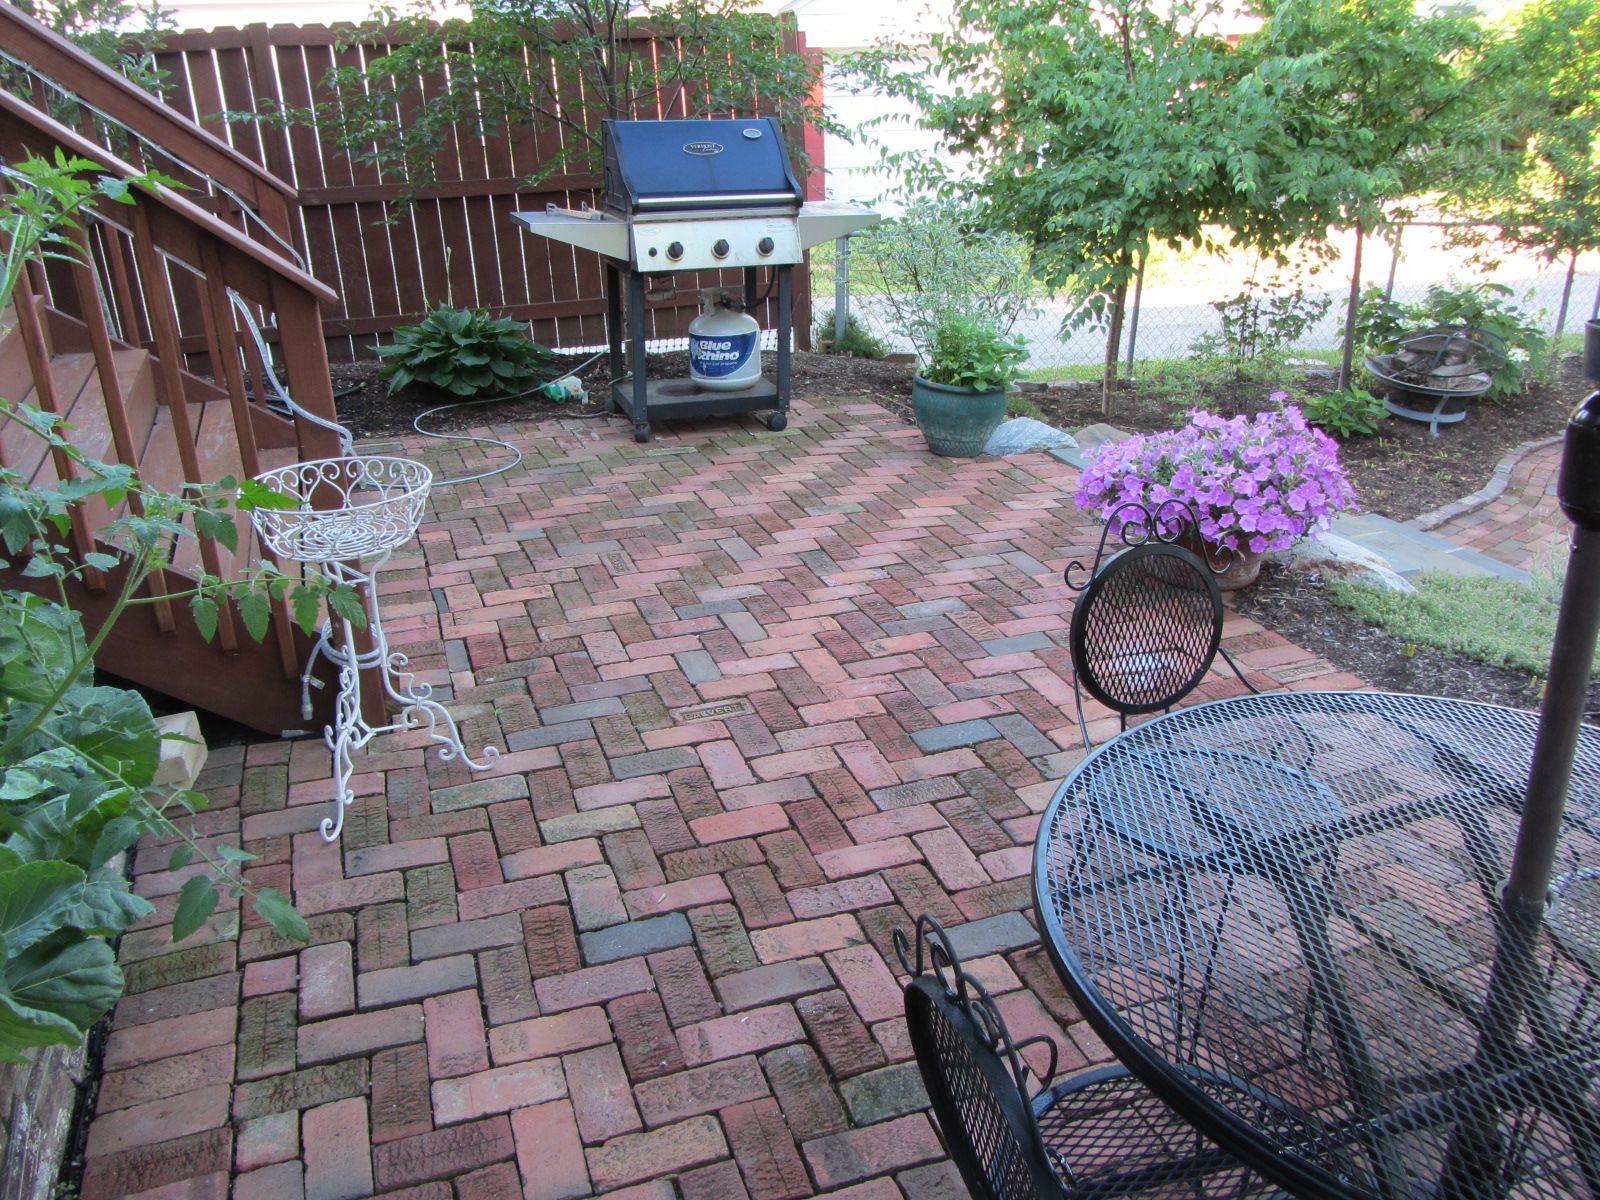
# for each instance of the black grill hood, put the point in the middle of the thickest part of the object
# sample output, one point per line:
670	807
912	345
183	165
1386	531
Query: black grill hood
682	166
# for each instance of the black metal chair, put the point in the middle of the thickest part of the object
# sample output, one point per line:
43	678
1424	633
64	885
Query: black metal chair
1148	624
1101	1133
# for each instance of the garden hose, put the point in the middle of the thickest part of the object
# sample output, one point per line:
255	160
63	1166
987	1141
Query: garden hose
566	392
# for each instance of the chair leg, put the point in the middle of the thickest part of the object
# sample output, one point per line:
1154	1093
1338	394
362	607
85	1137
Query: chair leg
1083	725
1228	658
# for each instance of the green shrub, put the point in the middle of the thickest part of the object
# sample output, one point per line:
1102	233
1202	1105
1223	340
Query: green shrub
1352	412
463	351
940	261
857	342
1250	352
1501	622
1267	318
1382	322
964	352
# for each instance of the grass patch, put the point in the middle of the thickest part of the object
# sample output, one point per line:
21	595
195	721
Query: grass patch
1158	368
1045	374
1018	405
1570	342
1497	621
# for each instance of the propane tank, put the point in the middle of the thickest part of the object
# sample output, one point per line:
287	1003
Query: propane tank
724	344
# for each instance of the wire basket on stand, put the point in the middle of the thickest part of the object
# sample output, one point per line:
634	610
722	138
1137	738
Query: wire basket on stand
348	508
350	513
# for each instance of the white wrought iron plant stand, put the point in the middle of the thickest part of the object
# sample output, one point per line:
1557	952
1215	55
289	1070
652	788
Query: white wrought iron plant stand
351	513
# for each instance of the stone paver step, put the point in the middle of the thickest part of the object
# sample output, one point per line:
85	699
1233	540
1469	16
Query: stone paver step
1411	551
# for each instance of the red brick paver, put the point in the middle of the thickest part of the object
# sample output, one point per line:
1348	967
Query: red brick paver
765	698
1523	526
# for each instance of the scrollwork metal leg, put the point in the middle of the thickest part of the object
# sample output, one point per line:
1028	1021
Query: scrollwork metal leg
350	730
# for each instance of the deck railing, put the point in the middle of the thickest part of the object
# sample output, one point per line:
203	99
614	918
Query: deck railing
124	119
142	265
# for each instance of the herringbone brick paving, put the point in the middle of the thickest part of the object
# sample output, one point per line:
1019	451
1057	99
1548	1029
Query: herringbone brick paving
764	698
1524	526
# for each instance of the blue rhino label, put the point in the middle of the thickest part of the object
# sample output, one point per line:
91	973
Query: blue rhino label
718	355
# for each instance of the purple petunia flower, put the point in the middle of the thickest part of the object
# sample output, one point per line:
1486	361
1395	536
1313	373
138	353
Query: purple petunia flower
1258	482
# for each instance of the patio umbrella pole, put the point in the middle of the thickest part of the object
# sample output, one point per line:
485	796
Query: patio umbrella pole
1567	692
1472	1163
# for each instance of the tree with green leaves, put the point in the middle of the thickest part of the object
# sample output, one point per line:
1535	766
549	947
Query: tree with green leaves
1078	126
1528	157
1098	128
123	34
1366	94
552	66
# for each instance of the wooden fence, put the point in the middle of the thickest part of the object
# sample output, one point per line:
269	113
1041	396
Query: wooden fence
390	261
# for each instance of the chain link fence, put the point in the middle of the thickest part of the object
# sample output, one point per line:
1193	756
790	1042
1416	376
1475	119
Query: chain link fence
1178	302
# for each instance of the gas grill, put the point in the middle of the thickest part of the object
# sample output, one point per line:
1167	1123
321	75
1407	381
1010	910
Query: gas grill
702	195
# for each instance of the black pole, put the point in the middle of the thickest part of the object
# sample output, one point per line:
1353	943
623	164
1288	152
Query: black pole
1567	692
1476	1153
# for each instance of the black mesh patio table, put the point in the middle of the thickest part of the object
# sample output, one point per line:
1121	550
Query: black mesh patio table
1280	912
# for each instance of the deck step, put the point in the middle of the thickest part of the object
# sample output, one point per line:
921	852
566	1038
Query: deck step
15	378
255	683
25	451
89	416
217	450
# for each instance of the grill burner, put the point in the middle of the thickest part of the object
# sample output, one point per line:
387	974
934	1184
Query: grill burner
695	196
1445	364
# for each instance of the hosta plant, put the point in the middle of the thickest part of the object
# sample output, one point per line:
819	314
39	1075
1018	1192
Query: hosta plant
464	352
1344	414
1253	484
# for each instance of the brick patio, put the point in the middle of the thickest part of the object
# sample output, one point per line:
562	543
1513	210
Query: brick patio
764	698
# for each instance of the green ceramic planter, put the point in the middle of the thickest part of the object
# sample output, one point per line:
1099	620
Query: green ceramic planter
957	421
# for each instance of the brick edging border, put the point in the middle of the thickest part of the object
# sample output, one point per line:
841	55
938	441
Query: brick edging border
1488	492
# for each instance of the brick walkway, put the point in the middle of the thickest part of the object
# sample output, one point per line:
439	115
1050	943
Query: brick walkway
765	697
1523	526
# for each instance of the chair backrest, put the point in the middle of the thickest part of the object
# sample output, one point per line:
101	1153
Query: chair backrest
1146	629
974	1076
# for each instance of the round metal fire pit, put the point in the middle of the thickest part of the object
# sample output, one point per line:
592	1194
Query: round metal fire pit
1447	366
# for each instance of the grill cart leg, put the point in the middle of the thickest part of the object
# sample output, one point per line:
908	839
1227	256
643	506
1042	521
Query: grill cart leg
779	419
641	396
613	333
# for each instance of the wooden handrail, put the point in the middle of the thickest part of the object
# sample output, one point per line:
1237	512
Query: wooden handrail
51	133
97	85
165	267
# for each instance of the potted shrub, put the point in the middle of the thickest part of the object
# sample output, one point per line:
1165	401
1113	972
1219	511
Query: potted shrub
1253	484
960	396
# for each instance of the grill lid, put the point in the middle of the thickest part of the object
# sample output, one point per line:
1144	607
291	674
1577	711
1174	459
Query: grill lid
675	166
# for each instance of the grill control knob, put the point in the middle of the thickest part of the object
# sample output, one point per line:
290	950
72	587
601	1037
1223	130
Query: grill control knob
764	246
675	251
720	248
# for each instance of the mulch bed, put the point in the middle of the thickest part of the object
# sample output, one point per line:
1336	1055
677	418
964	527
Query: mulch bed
1401	473
371	412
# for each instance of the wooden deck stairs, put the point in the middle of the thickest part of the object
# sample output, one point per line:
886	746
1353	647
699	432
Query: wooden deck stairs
148	348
